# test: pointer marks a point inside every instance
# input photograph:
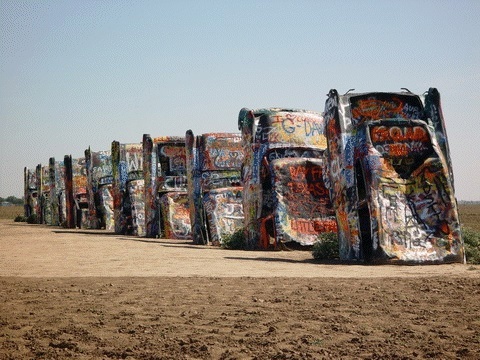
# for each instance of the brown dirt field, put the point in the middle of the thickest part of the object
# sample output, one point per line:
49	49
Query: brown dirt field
91	295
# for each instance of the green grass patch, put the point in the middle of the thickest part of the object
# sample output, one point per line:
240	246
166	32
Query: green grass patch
326	248
235	241
471	241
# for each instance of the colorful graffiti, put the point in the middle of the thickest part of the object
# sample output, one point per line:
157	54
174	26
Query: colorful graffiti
214	161
392	183
69	199
45	196
175	213
224	212
303	203
76	192
164	173
99	187
284	181
57	191
128	188
38	184
30	192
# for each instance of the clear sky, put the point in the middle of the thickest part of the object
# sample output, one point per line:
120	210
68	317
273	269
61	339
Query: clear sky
83	73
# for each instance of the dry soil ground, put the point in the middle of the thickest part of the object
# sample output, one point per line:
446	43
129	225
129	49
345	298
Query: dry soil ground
90	295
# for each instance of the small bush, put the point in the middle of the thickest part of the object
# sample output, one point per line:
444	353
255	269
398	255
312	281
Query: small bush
471	241
20	218
32	219
235	241
327	247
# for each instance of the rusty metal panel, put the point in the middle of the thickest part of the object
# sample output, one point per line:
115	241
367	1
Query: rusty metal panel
392	180
284	177
214	161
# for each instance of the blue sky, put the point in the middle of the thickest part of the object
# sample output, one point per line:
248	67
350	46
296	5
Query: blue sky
75	73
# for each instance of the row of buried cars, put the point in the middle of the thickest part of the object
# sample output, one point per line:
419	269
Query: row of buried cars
373	167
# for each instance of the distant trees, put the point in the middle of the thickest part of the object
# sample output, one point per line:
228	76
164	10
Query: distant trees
12	199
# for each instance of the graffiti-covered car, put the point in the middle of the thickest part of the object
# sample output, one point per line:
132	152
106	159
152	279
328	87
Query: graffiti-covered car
30	192
46	200
57	191
128	188
214	161
166	198
38	204
392	180
285	196
99	189
76	192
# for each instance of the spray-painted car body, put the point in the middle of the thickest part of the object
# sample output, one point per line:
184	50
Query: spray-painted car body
128	188
392	180
99	189
285	196
38	205
46	200
57	191
30	192
76	192
43	205
166	198
214	162
174	215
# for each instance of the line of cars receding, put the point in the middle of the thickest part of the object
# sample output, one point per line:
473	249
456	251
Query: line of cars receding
374	167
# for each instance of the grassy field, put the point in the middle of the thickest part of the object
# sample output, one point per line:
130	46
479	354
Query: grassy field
10	212
469	214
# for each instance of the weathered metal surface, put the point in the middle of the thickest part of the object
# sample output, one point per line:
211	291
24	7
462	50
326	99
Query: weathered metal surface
99	188
38	205
76	193
57	191
213	163
285	198
128	188
391	176
69	200
30	192
175	212
224	212
302	200
45	197
164	172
